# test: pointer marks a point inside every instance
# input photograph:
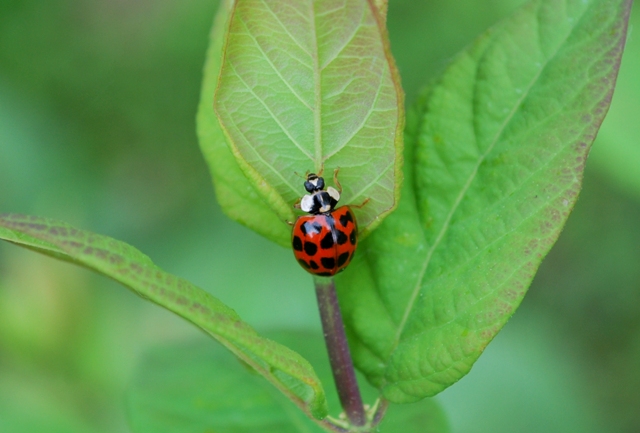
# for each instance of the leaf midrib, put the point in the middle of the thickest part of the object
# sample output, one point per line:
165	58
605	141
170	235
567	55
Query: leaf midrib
317	109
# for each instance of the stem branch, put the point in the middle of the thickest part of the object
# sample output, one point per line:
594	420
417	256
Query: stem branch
339	355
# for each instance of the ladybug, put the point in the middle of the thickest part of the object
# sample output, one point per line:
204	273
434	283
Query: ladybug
324	242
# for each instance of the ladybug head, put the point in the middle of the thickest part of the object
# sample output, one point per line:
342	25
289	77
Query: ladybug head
314	183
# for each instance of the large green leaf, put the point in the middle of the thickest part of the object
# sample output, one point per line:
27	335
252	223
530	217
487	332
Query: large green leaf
307	86
235	193
284	368
494	163
195	387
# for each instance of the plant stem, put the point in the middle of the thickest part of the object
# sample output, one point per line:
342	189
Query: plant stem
339	355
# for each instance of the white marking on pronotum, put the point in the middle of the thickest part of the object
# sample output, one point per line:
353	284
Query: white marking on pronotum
306	204
333	193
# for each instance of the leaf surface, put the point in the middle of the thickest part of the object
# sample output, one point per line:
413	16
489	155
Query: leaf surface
281	366
494	160
237	196
307	86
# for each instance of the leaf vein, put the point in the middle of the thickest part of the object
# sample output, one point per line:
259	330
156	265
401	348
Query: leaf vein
286	29
364	119
266	57
317	110
459	198
374	181
347	42
273	116
267	164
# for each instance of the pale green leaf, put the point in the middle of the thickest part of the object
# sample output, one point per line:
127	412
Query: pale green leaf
285	369
494	165
307	86
235	193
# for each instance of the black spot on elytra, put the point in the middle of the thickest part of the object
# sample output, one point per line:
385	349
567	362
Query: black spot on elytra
342	237
327	241
313	265
344	219
342	259
310	248
324	274
303	228
303	263
297	243
352	237
328	262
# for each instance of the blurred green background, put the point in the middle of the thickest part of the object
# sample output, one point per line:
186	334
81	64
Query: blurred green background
97	108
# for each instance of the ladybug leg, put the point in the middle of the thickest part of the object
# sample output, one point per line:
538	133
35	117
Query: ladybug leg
361	205
296	205
291	223
335	180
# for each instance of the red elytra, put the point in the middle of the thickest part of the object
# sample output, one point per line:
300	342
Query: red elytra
324	244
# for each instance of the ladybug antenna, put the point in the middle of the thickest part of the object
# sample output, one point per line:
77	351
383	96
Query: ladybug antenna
306	174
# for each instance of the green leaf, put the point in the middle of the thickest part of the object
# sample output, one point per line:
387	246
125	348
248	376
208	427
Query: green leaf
494	161
307	86
236	195
176	388
281	366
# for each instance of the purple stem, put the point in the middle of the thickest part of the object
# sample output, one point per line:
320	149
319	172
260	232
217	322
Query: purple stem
338	348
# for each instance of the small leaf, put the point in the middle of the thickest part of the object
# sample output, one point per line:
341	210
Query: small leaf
307	86
236	195
494	162
285	369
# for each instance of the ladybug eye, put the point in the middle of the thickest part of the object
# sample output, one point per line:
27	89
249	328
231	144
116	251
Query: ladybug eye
320	183
309	186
